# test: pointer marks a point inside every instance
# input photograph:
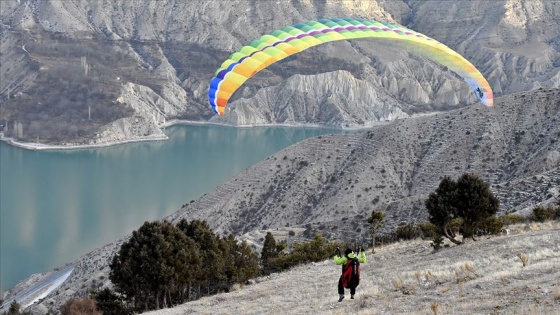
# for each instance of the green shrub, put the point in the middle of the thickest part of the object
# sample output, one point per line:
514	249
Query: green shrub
15	309
427	230
408	231
386	238
437	241
315	250
492	225
509	219
542	214
455	225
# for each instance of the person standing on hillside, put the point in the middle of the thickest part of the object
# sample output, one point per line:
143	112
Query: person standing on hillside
350	277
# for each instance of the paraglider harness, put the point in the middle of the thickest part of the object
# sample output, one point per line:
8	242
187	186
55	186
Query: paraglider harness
479	91
350	272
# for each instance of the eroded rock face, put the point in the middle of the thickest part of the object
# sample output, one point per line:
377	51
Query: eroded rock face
170	50
335	99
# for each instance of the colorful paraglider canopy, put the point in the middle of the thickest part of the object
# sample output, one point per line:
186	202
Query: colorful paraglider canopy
290	40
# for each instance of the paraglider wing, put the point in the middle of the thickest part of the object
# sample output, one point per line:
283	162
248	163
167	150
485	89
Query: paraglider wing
290	40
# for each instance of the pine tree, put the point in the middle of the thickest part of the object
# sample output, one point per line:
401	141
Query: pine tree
269	251
150	267
15	309
441	207
475	203
375	220
246	262
468	201
228	247
211	274
110	303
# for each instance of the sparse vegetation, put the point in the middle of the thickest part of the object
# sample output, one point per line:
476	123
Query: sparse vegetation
524	259
491	225
15	309
509	219
428	230
375	220
315	250
556	294
397	283
66	103
434	306
79	307
542	214
408	231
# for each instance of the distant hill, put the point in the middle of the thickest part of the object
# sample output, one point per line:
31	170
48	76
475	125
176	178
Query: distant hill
91	72
331	183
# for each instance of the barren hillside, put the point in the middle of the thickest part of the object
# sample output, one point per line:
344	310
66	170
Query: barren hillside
483	277
90	71
331	183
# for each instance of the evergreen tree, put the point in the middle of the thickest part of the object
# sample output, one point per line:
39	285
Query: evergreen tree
269	252
441	207
375	220
150	267
245	261
211	275
468	201
110	303
475	203
315	250
15	309
228	247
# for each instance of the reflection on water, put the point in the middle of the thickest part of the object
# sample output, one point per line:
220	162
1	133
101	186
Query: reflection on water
58	205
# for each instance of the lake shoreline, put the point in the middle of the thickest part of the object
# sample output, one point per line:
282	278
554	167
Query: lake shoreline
148	181
46	147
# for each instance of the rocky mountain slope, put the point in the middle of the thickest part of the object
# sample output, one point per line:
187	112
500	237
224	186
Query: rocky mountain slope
332	182
329	184
91	72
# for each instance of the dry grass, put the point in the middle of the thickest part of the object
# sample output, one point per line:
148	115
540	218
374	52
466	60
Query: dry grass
524	259
556	294
483	277
434	306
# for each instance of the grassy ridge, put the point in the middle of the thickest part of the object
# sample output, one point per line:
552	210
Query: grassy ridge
483	277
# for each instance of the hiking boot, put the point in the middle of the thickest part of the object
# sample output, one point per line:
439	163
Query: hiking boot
352	297
341	297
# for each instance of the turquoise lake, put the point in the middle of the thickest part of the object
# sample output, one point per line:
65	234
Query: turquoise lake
58	205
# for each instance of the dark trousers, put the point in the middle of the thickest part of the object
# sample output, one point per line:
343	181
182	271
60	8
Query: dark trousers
341	288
